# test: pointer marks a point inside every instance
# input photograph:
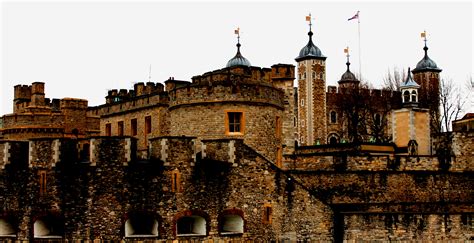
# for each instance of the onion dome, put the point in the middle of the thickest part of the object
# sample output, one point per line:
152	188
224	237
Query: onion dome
409	82
238	59
426	64
348	77
310	50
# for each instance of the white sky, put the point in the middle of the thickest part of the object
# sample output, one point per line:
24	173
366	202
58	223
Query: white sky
83	49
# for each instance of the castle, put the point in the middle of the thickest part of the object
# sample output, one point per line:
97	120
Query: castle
237	154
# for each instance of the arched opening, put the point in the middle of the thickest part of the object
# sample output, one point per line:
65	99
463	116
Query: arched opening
232	224
413	96
333	138
48	227
141	225
377	120
6	228
406	96
191	226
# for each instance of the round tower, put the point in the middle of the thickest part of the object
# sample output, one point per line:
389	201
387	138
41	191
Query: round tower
236	102
312	127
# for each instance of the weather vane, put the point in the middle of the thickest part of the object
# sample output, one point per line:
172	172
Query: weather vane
237	32
423	35
308	18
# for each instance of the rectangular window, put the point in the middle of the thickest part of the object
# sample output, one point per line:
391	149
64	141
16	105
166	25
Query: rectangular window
279	156
120	128
278	127
108	129
42	182
148	124
267	213
234	122
175	181
133	126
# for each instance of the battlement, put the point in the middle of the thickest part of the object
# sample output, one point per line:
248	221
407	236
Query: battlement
139	89
331	89
235	74
73	103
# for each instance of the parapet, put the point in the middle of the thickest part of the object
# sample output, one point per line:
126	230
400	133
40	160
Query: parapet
139	89
73	103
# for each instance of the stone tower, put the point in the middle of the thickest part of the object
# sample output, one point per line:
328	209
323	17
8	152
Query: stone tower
312	127
411	124
426	74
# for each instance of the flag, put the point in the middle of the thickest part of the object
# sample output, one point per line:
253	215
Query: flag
423	34
308	18
356	16
237	31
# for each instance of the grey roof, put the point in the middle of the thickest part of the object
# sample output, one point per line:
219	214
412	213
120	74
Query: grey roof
348	76
409	82
426	64
310	50
238	59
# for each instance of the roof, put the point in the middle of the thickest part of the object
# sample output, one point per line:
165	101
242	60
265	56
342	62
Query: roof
426	64
310	50
409	82
238	59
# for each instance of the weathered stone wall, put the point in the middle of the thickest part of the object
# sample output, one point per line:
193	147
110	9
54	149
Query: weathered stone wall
463	149
408	227
208	122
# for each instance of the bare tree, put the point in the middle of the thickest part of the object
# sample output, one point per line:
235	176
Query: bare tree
393	79
451	103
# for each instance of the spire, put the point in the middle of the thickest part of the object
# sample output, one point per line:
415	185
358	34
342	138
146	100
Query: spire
238	59
310	51
426	64
346	50
423	35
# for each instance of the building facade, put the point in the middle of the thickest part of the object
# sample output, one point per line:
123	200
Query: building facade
235	154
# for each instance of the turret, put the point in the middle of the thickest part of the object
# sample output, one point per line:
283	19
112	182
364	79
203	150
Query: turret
312	127
348	79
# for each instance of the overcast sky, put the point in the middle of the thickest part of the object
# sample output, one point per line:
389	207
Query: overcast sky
83	49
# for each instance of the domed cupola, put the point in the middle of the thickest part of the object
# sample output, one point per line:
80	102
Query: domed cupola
238	59
310	50
409	90
348	79
426	64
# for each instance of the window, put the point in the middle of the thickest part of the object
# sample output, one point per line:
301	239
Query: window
413	96
48	227
148	124
232	224
304	75
333	116
141	225
6	228
234	122
406	96
267	213
191	226
313	75
279	156
133	126
377	120
42	182
302	102
175	181
120	128
278	126
108	129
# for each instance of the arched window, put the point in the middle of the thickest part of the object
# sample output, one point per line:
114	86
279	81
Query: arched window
191	226
377	120
232	224
333	138
406	96
141	225
48	226
333	117
413	96
6	228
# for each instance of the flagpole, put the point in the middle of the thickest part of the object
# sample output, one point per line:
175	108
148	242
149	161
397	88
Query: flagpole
360	53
